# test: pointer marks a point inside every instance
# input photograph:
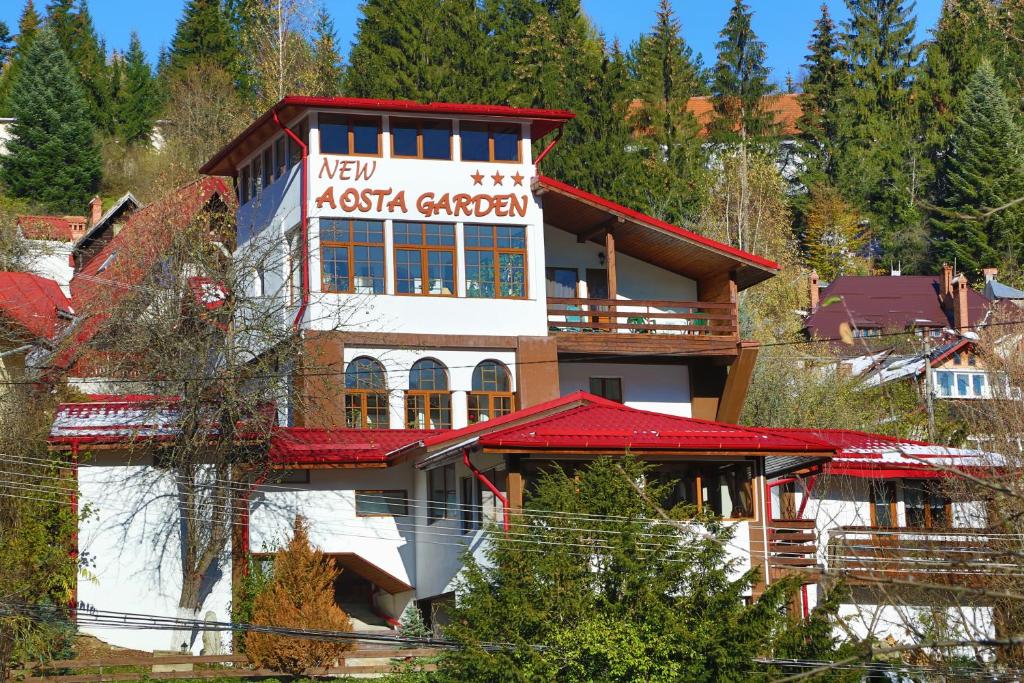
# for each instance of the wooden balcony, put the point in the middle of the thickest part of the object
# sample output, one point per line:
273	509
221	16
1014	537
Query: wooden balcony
946	556
792	547
584	325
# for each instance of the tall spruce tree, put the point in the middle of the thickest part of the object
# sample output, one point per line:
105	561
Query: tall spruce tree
327	65
821	100
881	162
28	24
74	29
740	81
6	45
666	76
52	158
983	170
203	34
138	101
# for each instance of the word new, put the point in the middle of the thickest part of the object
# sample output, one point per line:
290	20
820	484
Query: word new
428	204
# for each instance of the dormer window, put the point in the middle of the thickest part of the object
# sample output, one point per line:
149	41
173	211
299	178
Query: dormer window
489	142
419	139
350	135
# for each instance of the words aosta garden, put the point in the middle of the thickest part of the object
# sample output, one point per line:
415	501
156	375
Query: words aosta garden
355	199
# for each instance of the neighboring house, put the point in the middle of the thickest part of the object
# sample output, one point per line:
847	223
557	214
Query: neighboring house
52	239
103	227
33	314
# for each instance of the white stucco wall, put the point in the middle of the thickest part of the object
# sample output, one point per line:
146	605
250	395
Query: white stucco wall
52	260
659	388
131	547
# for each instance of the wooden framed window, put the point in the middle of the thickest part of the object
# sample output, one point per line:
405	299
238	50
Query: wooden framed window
428	402
281	155
257	175
352	256
244	187
366	394
443	502
495	261
490	142
470	504
492	392
294	238
382	503
424	258
268	166
301	130
729	490
607	387
289	477
350	135
421	139
927	506
883	504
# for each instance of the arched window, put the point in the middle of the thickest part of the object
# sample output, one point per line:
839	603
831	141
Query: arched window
492	392
366	394
428	403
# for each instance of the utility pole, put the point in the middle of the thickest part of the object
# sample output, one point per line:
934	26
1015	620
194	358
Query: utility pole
929	405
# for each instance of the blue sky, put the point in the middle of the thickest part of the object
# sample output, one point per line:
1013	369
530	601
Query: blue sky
784	25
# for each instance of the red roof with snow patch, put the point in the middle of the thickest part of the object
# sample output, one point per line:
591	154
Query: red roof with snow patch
305	446
32	302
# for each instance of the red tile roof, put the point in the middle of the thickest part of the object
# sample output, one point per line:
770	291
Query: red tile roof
785	109
892	303
55	228
543	121
32	302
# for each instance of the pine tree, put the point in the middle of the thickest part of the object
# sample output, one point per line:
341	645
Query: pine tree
880	166
28	24
666	76
300	595
138	102
52	157
77	37
823	88
983	170
740	81
203	34
6	45
327	66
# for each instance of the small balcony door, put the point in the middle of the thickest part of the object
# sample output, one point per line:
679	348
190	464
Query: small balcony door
597	288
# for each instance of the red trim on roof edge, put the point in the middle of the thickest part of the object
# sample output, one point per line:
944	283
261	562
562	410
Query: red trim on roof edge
644	218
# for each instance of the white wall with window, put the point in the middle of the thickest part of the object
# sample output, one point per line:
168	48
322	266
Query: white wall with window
663	388
964	383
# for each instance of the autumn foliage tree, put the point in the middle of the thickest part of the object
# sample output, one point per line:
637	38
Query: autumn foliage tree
301	595
835	237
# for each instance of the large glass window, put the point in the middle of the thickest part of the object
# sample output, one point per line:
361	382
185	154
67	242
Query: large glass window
443	501
301	130
245	189
495	261
268	166
492	392
280	147
355	135
428	402
382	503
352	255
927	506
607	387
424	258
366	394
421	139
483	142
562	283
883	504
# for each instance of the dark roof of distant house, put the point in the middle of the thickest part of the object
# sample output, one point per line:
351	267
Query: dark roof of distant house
542	121
891	303
54	228
997	290
125	203
33	303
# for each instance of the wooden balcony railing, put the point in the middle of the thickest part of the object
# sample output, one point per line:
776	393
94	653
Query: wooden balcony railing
792	545
635	316
961	556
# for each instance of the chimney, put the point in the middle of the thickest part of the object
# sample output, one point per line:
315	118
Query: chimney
946	286
961	319
813	289
95	210
990	273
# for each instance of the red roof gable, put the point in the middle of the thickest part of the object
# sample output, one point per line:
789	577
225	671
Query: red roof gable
55	228
224	162
32	302
891	303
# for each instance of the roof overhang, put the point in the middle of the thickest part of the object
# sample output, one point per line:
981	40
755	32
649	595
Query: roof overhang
224	162
647	238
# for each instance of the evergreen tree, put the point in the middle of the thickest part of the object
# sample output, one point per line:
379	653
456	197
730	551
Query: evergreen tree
28	24
881	163
203	34
6	45
983	170
138	102
666	76
77	36
821	101
327	65
52	157
740	81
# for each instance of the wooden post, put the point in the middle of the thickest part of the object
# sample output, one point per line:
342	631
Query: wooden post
609	248
514	482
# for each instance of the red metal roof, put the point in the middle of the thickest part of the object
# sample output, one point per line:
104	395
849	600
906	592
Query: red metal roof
543	121
305	446
32	302
893	303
